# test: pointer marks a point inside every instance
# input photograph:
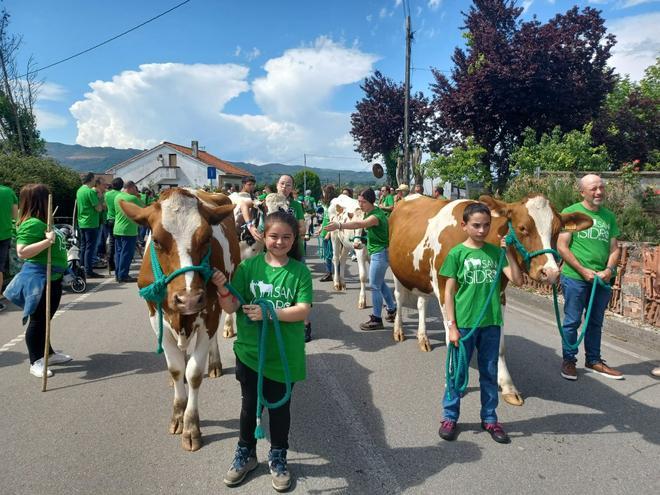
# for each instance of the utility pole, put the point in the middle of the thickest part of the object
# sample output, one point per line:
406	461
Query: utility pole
404	174
304	173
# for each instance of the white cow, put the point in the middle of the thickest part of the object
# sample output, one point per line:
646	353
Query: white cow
344	209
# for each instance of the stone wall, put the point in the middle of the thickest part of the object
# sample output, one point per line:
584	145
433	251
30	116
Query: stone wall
633	295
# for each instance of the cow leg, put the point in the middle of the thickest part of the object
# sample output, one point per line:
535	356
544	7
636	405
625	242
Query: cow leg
176	364
510	393
422	338
400	298
339	262
191	439
228	326
215	363
364	276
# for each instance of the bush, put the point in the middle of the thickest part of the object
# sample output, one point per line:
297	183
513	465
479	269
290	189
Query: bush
561	191
16	171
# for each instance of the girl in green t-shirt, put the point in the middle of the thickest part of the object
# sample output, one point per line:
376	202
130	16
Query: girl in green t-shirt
32	242
277	276
471	269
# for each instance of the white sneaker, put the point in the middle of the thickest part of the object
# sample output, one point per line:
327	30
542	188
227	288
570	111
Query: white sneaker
59	358
37	369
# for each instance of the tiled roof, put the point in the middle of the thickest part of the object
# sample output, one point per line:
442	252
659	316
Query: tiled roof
211	160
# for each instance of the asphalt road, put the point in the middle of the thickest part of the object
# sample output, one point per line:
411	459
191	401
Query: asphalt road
364	422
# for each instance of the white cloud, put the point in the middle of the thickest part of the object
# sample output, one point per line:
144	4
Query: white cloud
47	120
182	102
383	13
370	17
397	3
252	54
526	5
237	52
638	43
51	92
634	3
434	4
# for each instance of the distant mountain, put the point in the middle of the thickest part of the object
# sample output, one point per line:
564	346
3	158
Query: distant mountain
100	159
84	159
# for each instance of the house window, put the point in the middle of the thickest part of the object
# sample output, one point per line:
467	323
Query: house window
172	161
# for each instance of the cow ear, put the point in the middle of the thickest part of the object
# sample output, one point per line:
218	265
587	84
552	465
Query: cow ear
136	213
576	221
339	209
215	215
497	208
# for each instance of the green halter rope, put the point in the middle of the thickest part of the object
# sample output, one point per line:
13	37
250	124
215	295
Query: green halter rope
456	364
268	311
157	291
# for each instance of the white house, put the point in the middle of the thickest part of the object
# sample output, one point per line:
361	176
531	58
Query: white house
170	165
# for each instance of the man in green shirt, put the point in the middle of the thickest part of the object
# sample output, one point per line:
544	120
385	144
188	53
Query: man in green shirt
125	232
115	188
386	200
8	213
88	210
587	254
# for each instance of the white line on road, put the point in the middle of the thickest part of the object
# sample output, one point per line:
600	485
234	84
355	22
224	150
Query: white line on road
65	308
553	324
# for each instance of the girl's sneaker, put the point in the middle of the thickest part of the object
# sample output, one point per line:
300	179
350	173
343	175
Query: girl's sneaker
279	470
37	369
245	460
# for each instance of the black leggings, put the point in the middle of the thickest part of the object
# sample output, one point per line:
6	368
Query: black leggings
279	419
35	335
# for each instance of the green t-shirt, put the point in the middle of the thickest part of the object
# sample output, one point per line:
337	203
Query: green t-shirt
262	196
309	203
7	200
474	271
378	236
387	201
325	221
88	217
147	200
123	224
591	247
34	230
297	209
110	203
285	286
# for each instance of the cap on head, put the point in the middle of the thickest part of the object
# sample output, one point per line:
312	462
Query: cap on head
403	188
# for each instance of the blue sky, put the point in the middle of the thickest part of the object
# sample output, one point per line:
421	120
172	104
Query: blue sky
259	81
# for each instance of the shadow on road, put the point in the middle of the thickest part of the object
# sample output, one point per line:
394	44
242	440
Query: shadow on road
613	410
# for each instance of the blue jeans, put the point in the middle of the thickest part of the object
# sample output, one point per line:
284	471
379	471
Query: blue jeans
576	302
124	251
327	255
88	242
379	289
487	342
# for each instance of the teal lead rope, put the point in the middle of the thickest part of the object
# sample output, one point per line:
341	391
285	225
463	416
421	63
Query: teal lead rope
157	291
268	312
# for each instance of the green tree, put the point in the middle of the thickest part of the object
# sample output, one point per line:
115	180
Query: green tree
463	163
306	179
559	151
16	171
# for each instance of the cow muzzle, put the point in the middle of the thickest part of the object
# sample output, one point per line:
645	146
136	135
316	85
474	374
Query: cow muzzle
189	302
545	274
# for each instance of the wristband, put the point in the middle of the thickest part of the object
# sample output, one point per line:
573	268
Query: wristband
222	296
612	270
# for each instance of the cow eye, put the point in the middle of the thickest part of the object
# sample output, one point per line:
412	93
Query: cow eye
523	229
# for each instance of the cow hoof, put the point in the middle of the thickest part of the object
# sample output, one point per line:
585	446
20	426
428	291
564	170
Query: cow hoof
191	441
337	287
399	337
513	398
215	370
362	304
424	345
176	426
228	333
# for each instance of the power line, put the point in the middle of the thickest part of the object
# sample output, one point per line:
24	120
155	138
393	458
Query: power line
106	41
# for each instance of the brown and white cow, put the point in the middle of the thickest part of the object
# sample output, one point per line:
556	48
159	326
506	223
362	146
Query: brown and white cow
344	209
423	230
182	229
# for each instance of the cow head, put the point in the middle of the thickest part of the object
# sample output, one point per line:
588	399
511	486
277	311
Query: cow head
181	232
345	209
537	225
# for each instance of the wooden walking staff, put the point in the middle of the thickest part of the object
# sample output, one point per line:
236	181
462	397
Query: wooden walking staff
44	381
